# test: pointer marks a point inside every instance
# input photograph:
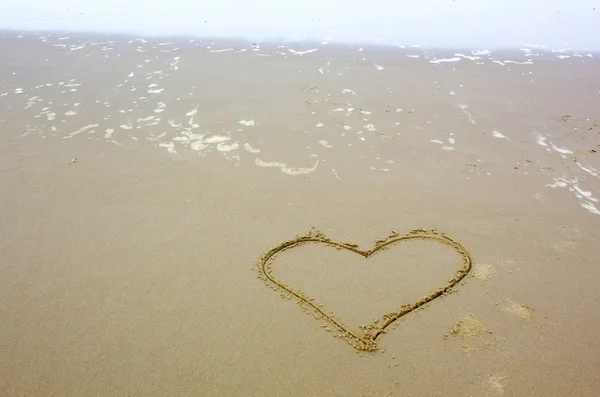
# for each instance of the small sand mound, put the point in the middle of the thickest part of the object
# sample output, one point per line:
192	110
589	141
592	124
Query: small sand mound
483	271
517	309
469	327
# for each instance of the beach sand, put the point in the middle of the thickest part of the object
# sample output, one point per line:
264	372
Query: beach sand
143	179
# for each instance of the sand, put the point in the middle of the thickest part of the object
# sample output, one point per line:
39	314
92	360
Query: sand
483	271
469	327
143	179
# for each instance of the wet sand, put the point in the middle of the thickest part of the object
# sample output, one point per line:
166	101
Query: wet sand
143	179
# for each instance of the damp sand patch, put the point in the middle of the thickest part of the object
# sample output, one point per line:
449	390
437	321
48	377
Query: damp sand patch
483	271
469	327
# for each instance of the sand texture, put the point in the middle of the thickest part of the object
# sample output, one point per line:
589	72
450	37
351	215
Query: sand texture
191	217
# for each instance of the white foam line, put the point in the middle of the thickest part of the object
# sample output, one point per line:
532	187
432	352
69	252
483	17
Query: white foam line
499	135
285	168
299	170
464	109
169	146
79	131
585	197
156	91
217	139
540	139
198	145
592	171
223	147
223	50
558	182
175	63
268	164
192	114
248	123
161	107
591	207
520	63
467	57
455	59
560	150
302	52
583	193
251	149
188	136
30	102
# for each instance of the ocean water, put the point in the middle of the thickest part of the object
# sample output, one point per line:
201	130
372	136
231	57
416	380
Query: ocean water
429	23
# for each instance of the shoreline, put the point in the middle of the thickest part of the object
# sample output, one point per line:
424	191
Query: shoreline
517	47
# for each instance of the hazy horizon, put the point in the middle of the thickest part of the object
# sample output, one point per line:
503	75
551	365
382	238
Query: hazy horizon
553	24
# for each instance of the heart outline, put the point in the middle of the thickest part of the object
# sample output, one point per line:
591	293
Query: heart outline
368	341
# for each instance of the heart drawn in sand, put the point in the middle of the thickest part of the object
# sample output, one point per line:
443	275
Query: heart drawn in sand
370	332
